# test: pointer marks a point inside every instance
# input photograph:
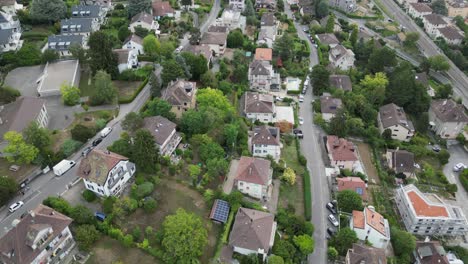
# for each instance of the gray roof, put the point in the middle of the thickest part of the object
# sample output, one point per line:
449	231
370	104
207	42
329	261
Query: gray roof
421	7
122	55
252	229
85	11
265	135
327	39
266	33
338	52
160	127
361	254
430	252
450	33
17	115
179	92
258	67
135	38
449	111
402	161
79	24
5	35
143	17
342	82
330	105
63	42
218	29
7	2
258	103
435	19
422	78
217	38
268	19
392	115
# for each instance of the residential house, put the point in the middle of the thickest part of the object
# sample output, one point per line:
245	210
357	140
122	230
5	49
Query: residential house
78	26
405	3
393	117
205	51
447	118
106	173
237	4
262	54
216	39
127	59
10	40
265	142
328	39
268	19
428	252
94	12
262	76
329	106
57	73
253	177
427	214
341	152
162	9
181	95
266	36
432	22
401	161
347	6
256	106
450	34
253	232
269	5
457	8
355	184
341	57
134	42
164	133
145	21
232	19
306	7
418	10
42	235
371	226
10	6
105	4
362	254
8	21
342	82
62	43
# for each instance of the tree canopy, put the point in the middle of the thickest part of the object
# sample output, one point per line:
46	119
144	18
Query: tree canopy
17	150
101	55
349	200
344	240
136	6
159	107
70	94
151	45
37	136
105	92
48	10
319	79
403	243
144	151
438	63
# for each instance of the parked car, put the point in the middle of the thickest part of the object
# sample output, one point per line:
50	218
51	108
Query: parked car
15	206
100	216
298	133
333	220
331	231
97	141
279	98
436	148
301	98
86	151
459	167
106	131
301	121
331	208
179	49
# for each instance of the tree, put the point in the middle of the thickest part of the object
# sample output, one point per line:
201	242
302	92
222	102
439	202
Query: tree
49	55
381	58
124	32
439	7
354	35
105	92
319	79
181	61
192	122
159	107
344	239
151	45
132	122
79	53
86	235
8	189
194	171
438	63
101	55
444	91
17	150
403	242
284	249
136	6
195	35
176	229
82	133
197	63
305	243
289	176
37	136
217	167
332	253
213	98
155	85
48	10
143	190
235	39
321	9
349	200
171	71
141	31
411	39
70	94
338	124
69	146
329	27
82	215
273	259
149	204
122	146
144	151
284	46
374	88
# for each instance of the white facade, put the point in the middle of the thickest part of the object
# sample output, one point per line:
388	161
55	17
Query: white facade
261	150
430	28
417	14
341	58
154	26
116	180
264	80
132	61
399	132
130	44
60	246
262	117
170	144
447	130
254	190
14	41
232	19
43	117
217	49
327	116
377	238
237	4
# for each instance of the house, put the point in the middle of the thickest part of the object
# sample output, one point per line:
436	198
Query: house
341	57
145	21
162	9
78	26
423	79
265	142
447	118
181	95
94	12
371	226
17	115
237	4
256	106
134	42
266	36
253	177
364	254
8	21
342	82
232	19
62	43
104	4
164	133
329	106
418	10
41	236
10	40
401	161
355	184
347	6
127	59
428	252
216	39
427	214
269	5
457	8
263	54
105	173
10	6
55	74
328	39
432	22
393	117
405	3
306	7
262	76
253	232
450	34
205	51
268	20
341	152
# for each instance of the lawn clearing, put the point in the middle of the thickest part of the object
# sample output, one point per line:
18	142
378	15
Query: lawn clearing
89	118
126	89
292	194
108	250
86	84
19	175
366	159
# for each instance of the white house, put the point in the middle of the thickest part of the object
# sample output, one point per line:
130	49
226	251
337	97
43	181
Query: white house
259	107
450	34
447	118
10	6
262	77
254	177
134	42
432	22
348	6
253	232
216	39
127	59
145	21
393	117
164	133
418	10
341	152
8	21
341	57
265	142
237	4
232	19
105	173
10	40
371	226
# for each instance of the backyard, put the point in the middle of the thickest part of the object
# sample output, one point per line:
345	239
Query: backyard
108	250
292	194
125	89
19	175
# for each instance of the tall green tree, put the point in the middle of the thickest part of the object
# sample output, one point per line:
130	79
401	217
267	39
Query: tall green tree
8	189
49	55
338	124
37	136
197	63
403	243
159	107
124	32
349	200
329	27
136	6
105	91
101	55
354	35
132	122
79	53
344	240
319	79
411	39
273	259
305	243
214	98
176	229
155	85
171	71
439	7
374	88
381	58
86	235
235	39
284	46
144	151
48	10
321	9
17	150
151	45
438	63
70	94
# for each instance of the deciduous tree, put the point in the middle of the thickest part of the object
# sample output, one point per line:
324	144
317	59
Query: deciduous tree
319	79
151	45
144	151
344	240
136	6
305	243
403	242
374	88
37	136
101	55
105	91
8	189
49	55
235	39
159	107
171	71
439	7
17	150
438	63
411	39
132	122
321	9
381	58
70	94
349	200
197	63
289	176
86	235
273	259
48	10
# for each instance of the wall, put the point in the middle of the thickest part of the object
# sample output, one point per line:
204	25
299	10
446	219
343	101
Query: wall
251	189
265	150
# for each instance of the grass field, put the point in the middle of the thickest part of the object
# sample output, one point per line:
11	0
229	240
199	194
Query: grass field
18	175
292	194
109	251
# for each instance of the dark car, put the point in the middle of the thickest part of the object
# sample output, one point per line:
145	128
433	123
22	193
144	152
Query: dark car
436	148
331	208
331	231
298	133
100	216
97	141
86	151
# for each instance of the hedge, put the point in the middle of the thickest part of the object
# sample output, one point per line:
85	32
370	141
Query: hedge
127	100
305	183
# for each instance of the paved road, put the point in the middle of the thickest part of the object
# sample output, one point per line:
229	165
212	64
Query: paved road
457	154
206	23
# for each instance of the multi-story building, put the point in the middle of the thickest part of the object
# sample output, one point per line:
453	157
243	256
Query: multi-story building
427	214
341	57
450	34
354	184
265	142
94	12
232	19
145	21
134	42
432	22
164	133
361	254
428	252
329	106
418	10
393	117
181	95
341	152
371	226
62	43
401	161
10	32
328	39
256	106
127	59
262	76
237	4
162	9
348	6
447	118
216	39
254	177
78	26
457	8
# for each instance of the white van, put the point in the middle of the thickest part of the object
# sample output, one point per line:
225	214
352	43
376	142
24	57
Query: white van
63	166
106	131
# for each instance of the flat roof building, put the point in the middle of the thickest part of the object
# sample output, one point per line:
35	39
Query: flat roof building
56	74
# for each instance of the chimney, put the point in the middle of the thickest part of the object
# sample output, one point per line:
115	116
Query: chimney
250	170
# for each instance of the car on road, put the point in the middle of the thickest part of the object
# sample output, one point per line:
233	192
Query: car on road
331	208
301	121
331	231
459	167
106	131
436	148
333	220
279	99
15	206
86	151
301	98
97	141
298	133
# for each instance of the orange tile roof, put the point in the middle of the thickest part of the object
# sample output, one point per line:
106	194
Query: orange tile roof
353	184
341	149
376	221
358	219
263	54
422	208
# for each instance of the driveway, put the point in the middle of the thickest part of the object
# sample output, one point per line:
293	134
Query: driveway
457	155
227	186
24	79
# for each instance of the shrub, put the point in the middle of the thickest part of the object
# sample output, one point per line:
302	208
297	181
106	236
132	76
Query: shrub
82	215
59	204
8	94
136	233
108	204
100	124
443	156
307	195
143	190
302	160
89	196
82	133
149	205
69	146
86	235
127	240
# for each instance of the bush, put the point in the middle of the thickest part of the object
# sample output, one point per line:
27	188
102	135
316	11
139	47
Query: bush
443	156
86	235
8	94
82	133
149	205
100	124
302	160
82	215
143	190
307	195
136	233
108	204
59	204
89	196
69	146
8	189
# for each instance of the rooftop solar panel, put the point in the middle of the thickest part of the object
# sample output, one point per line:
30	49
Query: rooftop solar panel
220	211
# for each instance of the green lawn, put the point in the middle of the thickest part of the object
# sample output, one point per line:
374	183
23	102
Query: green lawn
86	86
292	194
109	251
18	175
